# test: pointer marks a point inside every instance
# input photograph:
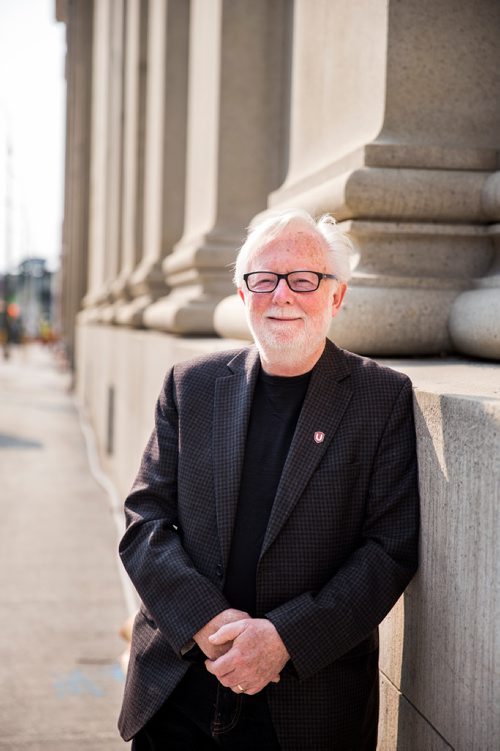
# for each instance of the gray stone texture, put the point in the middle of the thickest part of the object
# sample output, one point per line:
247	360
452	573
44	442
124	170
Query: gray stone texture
447	625
475	315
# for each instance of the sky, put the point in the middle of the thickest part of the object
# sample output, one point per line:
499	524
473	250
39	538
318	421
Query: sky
32	123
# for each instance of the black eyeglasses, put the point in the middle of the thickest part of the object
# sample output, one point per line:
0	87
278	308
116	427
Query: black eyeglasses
298	281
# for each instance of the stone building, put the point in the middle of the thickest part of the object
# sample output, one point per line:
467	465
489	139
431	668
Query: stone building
185	119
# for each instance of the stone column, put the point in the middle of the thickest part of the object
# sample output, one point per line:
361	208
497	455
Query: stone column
397	139
78	19
164	156
114	162
234	151
134	120
475	315
98	160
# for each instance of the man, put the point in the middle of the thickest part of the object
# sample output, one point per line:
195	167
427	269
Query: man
273	522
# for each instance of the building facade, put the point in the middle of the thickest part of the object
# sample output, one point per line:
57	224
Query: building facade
185	120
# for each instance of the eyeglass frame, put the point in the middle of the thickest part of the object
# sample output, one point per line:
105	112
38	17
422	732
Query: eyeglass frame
319	274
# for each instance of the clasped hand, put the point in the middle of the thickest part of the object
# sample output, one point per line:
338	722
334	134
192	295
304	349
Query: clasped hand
255	655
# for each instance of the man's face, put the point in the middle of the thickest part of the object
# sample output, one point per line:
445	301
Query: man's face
292	326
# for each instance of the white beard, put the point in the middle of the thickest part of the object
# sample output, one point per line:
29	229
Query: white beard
289	348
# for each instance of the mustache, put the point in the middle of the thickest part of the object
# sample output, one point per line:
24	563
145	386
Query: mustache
283	314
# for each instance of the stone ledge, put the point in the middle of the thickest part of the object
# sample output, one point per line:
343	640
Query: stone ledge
455	376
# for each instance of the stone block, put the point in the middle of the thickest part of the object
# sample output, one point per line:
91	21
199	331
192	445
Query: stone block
439	644
401	727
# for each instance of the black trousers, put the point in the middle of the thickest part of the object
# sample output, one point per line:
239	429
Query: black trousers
202	715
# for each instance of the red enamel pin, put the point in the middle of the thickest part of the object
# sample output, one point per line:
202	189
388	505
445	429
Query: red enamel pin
319	437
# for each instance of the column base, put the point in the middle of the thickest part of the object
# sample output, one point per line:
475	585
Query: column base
132	313
107	314
475	323
405	280
373	321
90	315
388	321
185	311
230	321
147	279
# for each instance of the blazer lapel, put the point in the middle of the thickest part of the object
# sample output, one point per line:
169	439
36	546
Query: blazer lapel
232	405
326	400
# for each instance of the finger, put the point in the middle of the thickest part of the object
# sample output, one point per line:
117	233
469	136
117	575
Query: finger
226	633
237	689
221	671
214	668
221	666
253	690
208	665
225	676
256	688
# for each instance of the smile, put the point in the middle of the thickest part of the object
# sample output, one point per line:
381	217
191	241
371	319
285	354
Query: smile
283	320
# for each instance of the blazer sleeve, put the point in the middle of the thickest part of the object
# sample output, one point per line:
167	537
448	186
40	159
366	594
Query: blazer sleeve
318	628
179	598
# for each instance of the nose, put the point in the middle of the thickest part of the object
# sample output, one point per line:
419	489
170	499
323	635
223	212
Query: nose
282	295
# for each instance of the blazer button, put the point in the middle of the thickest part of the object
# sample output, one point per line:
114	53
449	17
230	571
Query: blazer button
220	570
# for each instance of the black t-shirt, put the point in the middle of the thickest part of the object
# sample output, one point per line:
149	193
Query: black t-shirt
275	410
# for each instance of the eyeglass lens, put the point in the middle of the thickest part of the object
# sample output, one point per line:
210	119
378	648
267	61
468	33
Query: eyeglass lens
298	281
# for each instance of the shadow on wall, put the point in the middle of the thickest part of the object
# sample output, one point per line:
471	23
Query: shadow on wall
448	672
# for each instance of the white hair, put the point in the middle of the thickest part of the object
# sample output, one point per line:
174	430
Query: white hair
338	245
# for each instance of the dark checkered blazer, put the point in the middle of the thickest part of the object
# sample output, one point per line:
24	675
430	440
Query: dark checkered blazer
340	546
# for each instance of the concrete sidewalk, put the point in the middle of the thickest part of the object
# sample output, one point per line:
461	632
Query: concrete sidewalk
61	600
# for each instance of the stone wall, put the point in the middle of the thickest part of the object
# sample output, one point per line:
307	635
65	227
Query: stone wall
188	118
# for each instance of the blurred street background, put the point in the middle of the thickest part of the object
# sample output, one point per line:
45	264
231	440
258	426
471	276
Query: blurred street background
62	603
61	599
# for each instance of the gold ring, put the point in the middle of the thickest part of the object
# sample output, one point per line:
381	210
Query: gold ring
240	688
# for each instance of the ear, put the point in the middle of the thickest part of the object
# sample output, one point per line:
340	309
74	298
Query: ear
338	298
241	294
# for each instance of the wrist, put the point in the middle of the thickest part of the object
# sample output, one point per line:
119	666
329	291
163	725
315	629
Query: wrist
191	652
